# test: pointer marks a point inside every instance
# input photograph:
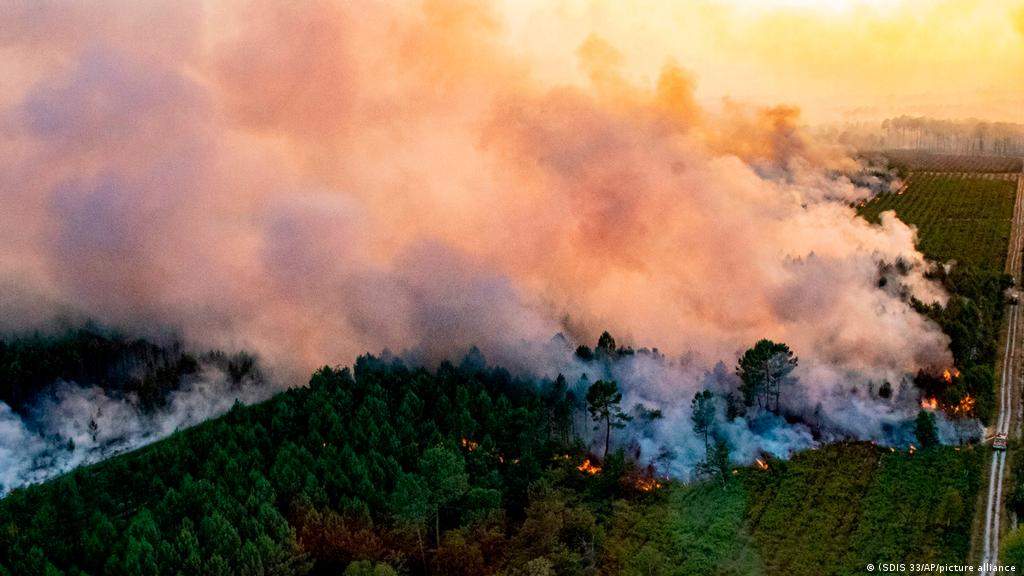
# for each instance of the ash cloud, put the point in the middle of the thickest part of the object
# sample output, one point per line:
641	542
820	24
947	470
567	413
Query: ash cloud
316	182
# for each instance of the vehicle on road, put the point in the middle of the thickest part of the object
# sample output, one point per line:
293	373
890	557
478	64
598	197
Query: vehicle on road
999	442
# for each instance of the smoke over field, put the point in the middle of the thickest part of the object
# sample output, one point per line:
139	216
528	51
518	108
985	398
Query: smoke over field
316	183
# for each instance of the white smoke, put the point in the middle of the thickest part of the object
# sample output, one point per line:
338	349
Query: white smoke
820	405
71	425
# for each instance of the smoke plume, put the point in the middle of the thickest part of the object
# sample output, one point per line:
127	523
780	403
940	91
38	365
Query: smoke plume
316	182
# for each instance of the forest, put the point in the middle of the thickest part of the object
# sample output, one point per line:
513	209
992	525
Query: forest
389	469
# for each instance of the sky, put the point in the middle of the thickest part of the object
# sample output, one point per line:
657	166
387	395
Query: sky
837	60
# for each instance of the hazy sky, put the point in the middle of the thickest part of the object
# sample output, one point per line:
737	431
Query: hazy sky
837	59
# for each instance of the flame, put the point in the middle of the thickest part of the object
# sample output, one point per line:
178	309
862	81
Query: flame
761	464
469	444
646	484
965	406
949	373
589	468
912	449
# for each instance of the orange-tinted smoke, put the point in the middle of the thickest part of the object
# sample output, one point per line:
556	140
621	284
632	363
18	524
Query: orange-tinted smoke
320	181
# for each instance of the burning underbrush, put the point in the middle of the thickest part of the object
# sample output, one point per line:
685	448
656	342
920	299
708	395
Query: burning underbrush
589	467
617	412
951	392
631	477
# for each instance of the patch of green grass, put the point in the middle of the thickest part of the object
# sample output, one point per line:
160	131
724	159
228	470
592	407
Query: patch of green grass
919	507
962	219
803	513
694	529
710	521
834	510
825	512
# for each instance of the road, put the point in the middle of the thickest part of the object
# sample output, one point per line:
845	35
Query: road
1009	376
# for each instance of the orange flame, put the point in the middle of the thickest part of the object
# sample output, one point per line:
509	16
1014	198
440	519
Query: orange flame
949	373
469	444
761	464
929	403
589	468
965	406
646	484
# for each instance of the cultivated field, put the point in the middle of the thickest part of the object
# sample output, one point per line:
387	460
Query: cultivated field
966	219
827	511
915	160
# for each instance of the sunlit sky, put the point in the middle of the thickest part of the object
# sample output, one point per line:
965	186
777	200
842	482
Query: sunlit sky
836	59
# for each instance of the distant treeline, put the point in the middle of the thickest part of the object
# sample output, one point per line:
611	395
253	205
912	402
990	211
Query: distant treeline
90	355
973	137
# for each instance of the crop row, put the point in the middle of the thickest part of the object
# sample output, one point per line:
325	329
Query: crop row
915	160
962	219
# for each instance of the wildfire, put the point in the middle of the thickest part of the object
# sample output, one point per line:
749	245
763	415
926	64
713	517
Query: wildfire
588	468
965	406
912	449
949	373
761	464
469	444
646	484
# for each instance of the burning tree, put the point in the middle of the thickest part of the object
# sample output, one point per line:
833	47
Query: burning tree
763	370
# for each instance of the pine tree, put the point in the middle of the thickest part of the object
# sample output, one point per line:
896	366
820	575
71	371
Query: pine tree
604	404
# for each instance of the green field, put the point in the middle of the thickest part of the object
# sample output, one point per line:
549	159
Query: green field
962	219
825	512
